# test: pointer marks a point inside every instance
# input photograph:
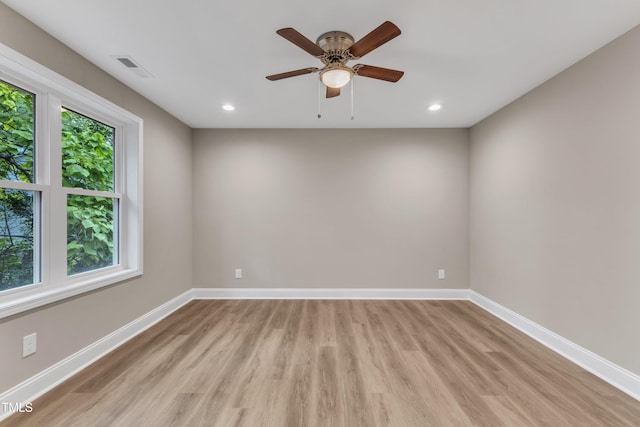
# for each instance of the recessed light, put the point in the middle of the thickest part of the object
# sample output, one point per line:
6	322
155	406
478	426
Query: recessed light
228	107
434	107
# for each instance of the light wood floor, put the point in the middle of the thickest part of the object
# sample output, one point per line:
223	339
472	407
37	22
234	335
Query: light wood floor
332	363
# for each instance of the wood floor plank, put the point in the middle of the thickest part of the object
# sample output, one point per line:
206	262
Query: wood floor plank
508	412
355	402
262	363
271	407
176	412
257	372
328	410
326	324
298	412
433	392
283	363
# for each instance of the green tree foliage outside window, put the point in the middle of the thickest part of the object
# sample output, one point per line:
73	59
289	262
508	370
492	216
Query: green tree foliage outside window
89	233
87	152
87	162
16	206
16	134
16	238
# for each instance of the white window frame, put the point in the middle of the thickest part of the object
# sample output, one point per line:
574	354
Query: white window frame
52	92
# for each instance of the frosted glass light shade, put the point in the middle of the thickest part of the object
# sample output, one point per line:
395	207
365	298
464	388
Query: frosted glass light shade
336	78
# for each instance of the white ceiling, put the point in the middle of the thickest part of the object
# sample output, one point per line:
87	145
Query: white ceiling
473	56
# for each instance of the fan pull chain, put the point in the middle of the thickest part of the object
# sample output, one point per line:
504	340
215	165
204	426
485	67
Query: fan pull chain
353	79
320	85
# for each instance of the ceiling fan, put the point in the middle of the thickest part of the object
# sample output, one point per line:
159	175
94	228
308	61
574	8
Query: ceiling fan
335	49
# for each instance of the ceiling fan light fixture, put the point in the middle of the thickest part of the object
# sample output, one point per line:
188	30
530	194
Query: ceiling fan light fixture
334	49
336	77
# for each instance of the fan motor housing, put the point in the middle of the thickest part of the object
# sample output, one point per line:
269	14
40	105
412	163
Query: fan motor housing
335	40
335	43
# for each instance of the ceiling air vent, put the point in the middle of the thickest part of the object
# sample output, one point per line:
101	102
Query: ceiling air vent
128	62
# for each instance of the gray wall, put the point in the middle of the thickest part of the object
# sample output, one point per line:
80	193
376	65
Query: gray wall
68	326
331	208
555	204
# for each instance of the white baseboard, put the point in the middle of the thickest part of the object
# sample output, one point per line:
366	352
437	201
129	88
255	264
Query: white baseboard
39	384
34	387
615	375
330	293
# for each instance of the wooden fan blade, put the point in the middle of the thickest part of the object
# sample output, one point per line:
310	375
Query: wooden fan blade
333	92
301	41
376	38
293	73
378	73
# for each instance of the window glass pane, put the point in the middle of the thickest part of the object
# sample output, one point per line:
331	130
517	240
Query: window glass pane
16	133
91	226
87	152
16	238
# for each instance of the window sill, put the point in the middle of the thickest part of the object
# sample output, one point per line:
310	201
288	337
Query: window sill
41	297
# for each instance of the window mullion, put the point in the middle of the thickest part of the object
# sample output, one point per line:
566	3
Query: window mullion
42	223
94	193
57	199
120	187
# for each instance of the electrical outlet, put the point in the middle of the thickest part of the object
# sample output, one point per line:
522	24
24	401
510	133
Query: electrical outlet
238	273
441	274
29	344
